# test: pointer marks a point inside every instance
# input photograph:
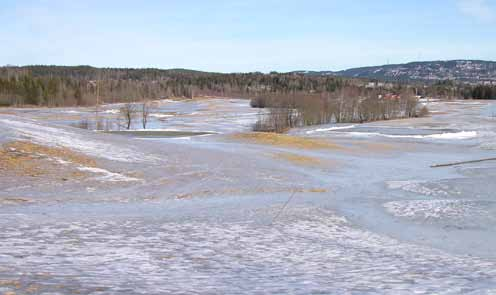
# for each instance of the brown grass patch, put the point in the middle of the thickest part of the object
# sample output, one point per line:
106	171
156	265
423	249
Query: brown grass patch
284	140
14	201
318	190
19	163
29	159
299	159
10	283
33	288
3	112
378	147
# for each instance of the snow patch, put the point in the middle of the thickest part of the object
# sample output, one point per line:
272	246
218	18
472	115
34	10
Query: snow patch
457	135
51	136
331	129
161	115
418	187
113	111
107	175
434	209
444	136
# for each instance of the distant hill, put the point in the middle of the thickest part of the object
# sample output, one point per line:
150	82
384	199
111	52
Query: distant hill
93	73
472	71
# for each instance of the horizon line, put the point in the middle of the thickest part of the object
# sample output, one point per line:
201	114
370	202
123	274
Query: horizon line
237	72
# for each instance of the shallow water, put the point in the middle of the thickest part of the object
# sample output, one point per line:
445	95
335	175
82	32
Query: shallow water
209	115
158	133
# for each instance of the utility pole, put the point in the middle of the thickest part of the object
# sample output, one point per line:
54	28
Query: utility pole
97	103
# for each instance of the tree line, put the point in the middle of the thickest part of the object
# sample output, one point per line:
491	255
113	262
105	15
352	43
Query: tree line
449	89
480	92
73	86
349	104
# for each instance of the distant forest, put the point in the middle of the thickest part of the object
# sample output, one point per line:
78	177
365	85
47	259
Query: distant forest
70	86
81	85
479	92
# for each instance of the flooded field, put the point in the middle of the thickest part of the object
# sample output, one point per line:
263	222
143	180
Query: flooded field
199	115
199	204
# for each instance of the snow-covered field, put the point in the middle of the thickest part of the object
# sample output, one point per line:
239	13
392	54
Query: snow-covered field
210	215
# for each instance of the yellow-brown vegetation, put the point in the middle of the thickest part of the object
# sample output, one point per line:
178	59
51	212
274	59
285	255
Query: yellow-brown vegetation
299	159
28	159
284	140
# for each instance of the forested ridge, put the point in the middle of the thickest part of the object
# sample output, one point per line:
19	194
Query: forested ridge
81	85
62	86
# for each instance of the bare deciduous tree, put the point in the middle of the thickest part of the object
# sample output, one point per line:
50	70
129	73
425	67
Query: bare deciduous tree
127	112
145	113
351	104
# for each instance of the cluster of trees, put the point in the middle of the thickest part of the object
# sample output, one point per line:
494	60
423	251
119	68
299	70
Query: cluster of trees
68	91
449	89
129	111
442	89
130	114
479	92
291	99
69	86
350	104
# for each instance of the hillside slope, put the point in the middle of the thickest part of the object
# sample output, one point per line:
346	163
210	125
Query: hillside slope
473	71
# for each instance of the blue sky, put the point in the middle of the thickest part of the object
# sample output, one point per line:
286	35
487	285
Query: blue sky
235	35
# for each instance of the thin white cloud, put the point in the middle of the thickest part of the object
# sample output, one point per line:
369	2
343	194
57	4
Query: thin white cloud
481	10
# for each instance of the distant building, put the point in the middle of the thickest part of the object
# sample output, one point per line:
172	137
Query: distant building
370	85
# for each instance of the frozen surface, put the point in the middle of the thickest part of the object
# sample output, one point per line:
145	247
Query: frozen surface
308	251
203	115
202	214
35	132
440	209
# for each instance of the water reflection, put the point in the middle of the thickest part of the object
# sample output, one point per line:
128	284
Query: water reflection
103	124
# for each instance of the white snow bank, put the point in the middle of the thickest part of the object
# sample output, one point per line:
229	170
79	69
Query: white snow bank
331	129
107	175
456	135
444	136
113	111
429	100
161	115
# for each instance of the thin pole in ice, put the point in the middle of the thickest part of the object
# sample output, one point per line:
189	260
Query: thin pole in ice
283	207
